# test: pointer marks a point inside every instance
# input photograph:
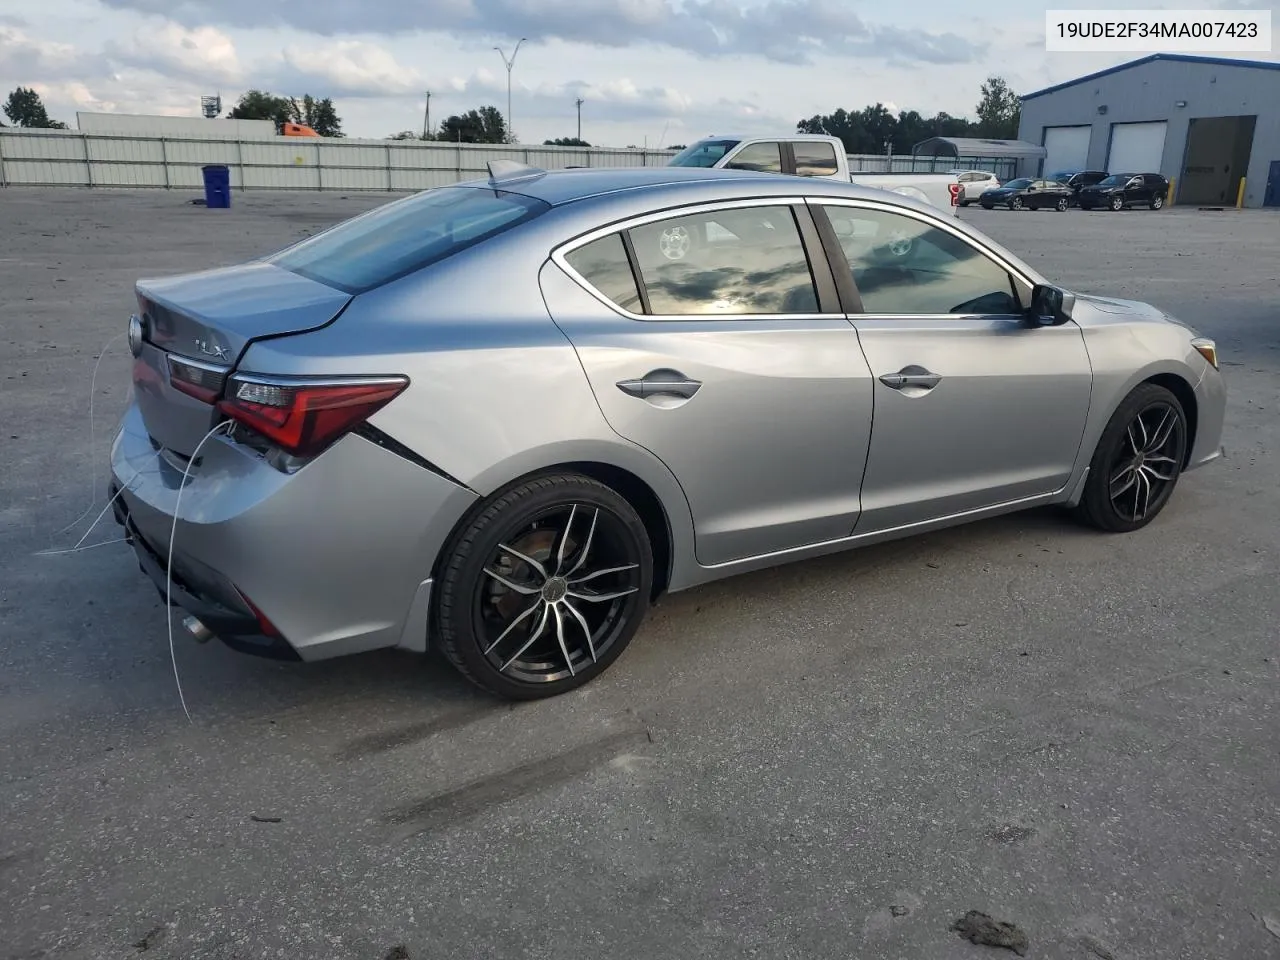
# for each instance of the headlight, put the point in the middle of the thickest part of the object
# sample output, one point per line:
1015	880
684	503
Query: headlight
1207	349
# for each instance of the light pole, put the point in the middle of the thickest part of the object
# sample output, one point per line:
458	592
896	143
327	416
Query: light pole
509	64
578	103
426	117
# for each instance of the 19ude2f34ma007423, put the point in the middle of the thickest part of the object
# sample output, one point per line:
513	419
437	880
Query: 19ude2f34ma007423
501	417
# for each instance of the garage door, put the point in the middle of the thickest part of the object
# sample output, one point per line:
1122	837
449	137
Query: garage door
1066	148
1136	148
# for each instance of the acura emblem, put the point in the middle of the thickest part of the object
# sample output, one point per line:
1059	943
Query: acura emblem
137	334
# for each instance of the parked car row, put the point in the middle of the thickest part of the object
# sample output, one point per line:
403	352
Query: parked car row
1086	189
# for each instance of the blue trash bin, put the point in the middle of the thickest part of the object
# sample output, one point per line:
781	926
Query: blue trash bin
217	186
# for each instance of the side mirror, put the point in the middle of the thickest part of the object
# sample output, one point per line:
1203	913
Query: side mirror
1048	307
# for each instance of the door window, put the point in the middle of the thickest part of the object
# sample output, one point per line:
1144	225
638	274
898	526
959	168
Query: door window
814	158
763	157
746	260
904	266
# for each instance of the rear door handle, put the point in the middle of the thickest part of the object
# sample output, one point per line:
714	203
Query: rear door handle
655	383
912	376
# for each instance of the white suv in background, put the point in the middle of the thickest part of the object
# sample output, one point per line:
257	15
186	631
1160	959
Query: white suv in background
974	183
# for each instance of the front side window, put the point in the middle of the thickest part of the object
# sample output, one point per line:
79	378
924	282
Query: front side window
762	157
905	266
742	261
406	235
815	158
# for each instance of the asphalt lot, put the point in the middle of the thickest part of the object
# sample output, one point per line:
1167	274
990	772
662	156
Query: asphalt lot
1075	733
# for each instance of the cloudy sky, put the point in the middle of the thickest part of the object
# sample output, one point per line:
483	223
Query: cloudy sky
650	71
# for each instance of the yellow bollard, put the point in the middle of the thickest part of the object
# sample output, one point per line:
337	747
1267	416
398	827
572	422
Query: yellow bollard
1168	200
1240	195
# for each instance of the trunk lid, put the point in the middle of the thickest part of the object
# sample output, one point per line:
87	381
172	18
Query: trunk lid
198	325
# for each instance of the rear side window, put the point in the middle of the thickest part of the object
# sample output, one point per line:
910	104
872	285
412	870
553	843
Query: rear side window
394	240
603	263
814	159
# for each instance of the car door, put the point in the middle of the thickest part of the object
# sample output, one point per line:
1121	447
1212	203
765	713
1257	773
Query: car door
1135	191
711	340
973	408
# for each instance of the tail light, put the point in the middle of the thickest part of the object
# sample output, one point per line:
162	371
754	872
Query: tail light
303	416
200	380
954	189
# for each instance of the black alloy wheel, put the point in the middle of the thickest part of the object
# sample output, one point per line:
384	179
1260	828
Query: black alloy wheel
545	588
1138	461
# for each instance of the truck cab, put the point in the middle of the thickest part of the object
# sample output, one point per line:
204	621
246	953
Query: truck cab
813	155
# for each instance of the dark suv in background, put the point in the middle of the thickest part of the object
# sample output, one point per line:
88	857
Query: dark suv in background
1077	181
1121	190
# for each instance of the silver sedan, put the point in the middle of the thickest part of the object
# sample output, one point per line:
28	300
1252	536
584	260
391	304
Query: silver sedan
502	417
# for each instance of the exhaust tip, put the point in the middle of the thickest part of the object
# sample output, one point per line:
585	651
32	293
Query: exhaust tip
199	632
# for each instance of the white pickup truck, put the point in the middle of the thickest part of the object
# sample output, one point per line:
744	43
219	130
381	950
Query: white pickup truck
812	155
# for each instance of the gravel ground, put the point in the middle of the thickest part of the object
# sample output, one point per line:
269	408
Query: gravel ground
1072	733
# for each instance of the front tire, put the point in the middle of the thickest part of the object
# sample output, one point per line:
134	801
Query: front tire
1137	463
1015	203
544	588
1117	204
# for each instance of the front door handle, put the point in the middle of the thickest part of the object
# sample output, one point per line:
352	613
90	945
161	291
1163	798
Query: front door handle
655	383
911	376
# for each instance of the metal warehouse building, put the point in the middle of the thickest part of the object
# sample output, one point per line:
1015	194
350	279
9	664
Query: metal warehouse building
1204	122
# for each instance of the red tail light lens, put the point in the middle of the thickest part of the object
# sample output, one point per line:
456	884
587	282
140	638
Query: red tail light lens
305	416
200	380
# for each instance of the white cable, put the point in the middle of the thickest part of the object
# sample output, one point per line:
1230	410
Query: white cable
58	553
168	567
93	476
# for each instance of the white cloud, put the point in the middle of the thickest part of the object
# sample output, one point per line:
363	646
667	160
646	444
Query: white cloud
352	68
200	53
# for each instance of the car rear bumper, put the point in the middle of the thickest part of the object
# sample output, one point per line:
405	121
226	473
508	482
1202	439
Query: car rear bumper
324	562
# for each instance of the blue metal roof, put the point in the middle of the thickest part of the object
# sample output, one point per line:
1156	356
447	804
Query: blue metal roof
1175	57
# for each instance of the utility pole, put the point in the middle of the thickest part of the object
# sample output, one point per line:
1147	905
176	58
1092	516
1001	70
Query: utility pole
509	64
579	103
426	117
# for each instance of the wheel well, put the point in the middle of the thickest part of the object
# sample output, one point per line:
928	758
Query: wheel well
1187	397
632	489
646	503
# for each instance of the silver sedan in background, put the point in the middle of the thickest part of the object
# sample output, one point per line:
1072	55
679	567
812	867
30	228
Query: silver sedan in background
502	417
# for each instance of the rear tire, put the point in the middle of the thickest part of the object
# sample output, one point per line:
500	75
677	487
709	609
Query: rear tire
1157	202
543	589
1062	204
1137	462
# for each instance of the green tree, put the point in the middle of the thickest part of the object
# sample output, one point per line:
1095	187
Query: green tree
485	125
320	115
260	105
25	108
998	111
565	142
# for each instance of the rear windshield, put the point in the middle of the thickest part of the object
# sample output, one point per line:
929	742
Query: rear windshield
391	241
1018	184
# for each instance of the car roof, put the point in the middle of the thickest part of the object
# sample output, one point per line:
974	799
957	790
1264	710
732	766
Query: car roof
558	187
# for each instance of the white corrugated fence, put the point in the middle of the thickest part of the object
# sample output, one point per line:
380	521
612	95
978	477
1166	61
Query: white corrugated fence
88	159
79	158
